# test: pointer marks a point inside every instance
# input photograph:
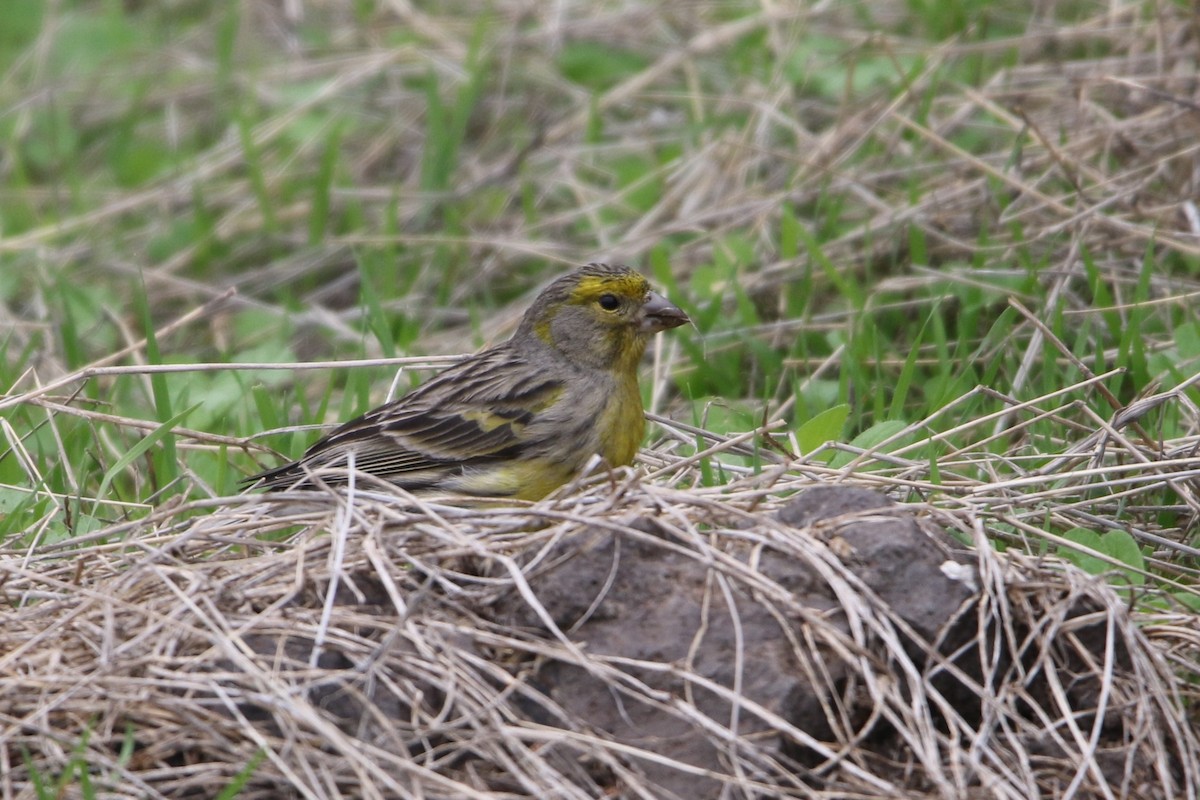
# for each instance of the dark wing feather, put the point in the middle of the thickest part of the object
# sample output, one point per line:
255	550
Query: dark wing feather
473	413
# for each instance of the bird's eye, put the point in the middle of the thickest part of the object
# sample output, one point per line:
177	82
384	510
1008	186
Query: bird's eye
609	302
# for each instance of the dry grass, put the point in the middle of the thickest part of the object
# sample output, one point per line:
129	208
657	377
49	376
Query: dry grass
357	646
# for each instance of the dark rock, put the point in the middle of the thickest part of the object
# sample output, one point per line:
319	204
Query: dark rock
678	625
661	609
830	502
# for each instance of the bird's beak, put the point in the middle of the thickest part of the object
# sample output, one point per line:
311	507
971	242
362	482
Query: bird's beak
659	314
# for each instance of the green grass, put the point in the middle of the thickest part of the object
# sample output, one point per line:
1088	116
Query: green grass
373	189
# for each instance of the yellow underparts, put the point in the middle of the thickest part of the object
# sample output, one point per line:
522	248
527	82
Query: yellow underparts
622	424
531	479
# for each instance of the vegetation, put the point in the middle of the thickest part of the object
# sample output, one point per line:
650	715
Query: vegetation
950	250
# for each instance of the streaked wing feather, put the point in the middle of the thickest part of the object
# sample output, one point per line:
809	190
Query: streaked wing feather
474	412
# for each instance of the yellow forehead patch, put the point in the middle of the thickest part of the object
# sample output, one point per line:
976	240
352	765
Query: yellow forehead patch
590	287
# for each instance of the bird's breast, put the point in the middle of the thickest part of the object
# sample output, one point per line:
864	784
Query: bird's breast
621	424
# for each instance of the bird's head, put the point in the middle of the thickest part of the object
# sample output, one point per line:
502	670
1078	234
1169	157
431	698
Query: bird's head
600	315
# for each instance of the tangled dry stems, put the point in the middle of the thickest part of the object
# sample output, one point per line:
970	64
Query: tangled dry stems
358	648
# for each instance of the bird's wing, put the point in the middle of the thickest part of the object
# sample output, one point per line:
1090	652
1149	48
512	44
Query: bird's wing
474	412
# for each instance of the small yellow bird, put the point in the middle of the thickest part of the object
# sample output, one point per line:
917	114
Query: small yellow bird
518	419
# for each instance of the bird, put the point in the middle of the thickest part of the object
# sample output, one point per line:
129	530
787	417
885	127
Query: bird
520	418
